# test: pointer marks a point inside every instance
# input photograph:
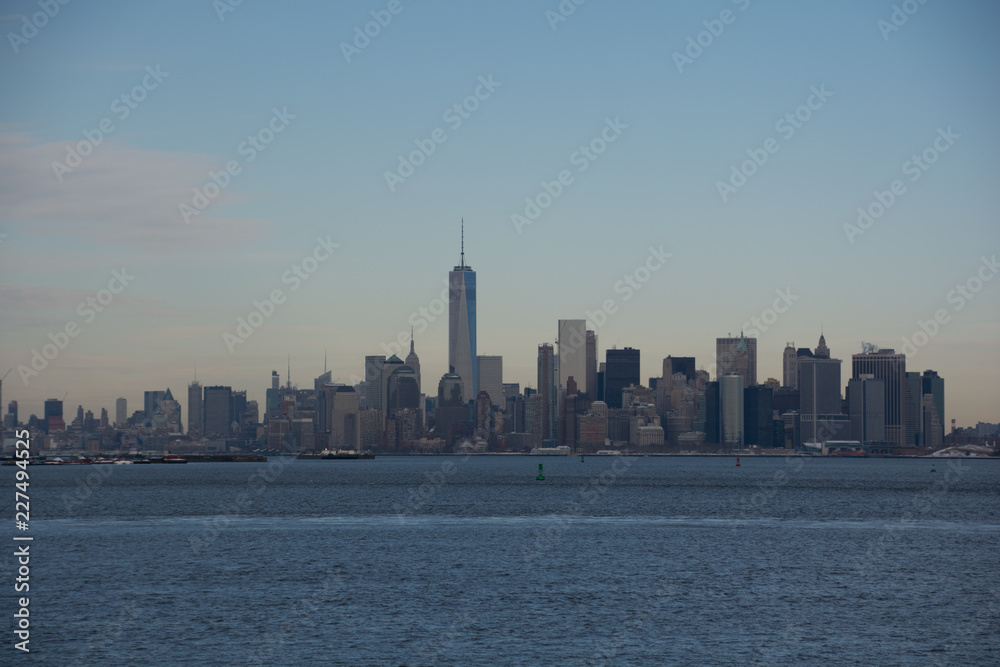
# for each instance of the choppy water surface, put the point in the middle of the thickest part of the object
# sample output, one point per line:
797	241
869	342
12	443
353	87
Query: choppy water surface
451	560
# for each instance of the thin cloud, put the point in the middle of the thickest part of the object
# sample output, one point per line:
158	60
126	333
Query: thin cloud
120	196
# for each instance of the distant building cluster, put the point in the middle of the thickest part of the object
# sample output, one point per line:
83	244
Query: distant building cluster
578	403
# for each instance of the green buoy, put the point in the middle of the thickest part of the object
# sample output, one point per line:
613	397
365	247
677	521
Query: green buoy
581	458
541	475
933	469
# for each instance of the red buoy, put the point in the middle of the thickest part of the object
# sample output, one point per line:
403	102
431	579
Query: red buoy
737	462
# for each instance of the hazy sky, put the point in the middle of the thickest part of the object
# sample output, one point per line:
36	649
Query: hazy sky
179	89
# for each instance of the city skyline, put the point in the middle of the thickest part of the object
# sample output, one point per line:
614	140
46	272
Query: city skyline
592	190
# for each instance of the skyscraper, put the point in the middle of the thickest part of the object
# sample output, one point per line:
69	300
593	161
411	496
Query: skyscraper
195	411
413	361
546	417
121	412
737	356
822	351
891	367
373	380
403	392
758	426
914	409
731	410
490	371
621	370
53	415
933	385
866	405
590	387
151	402
819	398
462	324
572	348
218	405
390	365
450	414
342	405
790	367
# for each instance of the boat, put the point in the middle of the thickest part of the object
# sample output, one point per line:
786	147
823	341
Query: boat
120	462
173	458
103	461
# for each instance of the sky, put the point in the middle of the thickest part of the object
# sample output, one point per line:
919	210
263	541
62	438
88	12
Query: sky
178	162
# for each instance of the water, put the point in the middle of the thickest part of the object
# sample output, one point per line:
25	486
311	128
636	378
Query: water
465	561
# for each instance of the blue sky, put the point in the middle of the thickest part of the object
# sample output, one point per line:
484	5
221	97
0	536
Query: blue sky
323	176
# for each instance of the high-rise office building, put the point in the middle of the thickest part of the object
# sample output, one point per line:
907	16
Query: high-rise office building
151	402
758	424
272	408
674	365
450	413
866	406
53	415
737	356
462	324
932	385
914	409
510	389
413	361
546	417
343	410
731	410
239	399
373	381
822	351
490	372
591	349
572	349
790	367
621	370
891	367
403	391
121	412
819	398
195	410
218	404
388	368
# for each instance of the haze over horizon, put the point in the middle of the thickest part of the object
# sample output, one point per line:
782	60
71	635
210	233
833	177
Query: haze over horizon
879	103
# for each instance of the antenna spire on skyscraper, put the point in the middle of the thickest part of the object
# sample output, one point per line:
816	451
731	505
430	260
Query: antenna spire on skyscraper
463	243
